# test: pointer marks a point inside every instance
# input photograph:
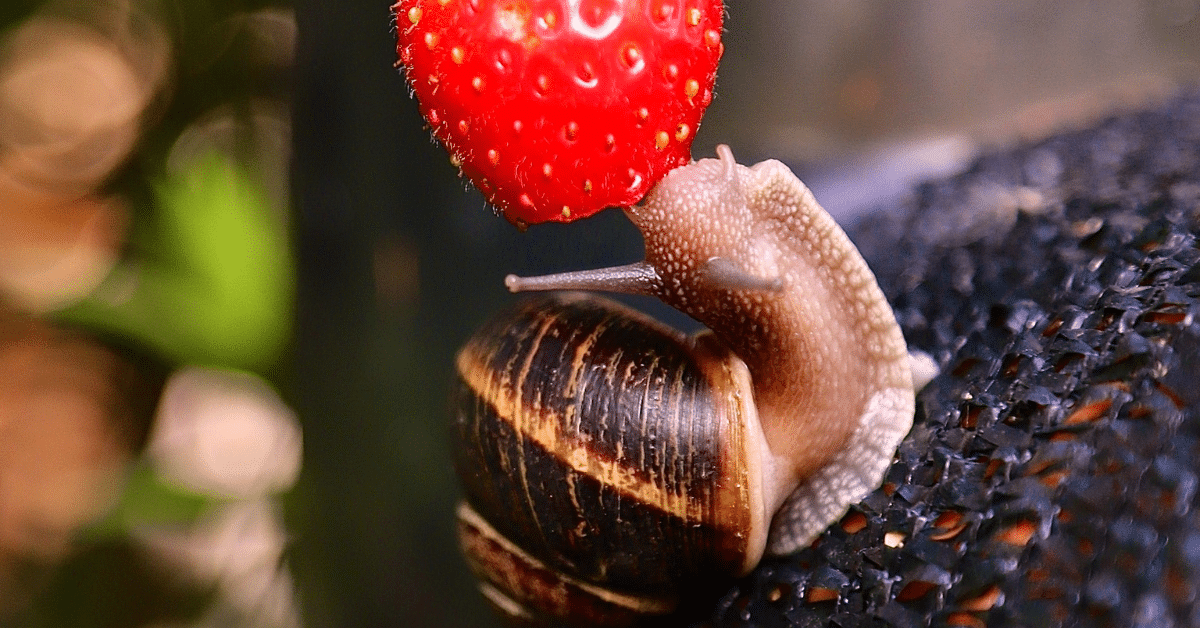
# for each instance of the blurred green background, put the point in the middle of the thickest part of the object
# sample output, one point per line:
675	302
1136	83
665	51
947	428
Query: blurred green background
397	260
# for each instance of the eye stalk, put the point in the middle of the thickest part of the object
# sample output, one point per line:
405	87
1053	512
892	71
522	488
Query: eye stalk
642	278
636	278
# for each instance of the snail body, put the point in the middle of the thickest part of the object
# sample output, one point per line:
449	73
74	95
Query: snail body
607	459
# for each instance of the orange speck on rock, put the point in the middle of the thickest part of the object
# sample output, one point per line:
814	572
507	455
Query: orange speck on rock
1088	412
1019	533
982	602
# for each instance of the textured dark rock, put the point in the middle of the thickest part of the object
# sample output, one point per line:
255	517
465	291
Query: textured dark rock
1052	477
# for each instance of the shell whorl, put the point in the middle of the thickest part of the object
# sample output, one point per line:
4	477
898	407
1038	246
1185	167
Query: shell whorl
584	430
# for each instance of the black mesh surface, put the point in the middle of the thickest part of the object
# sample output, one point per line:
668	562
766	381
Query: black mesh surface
1052	477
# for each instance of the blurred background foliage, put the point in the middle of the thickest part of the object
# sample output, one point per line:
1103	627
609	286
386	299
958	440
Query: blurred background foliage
263	210
146	304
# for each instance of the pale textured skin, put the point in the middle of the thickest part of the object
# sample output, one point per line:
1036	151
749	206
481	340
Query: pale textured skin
829	364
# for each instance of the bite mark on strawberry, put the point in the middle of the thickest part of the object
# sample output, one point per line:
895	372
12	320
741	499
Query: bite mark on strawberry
556	109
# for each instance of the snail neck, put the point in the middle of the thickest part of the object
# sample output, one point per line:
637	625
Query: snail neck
751	254
818	350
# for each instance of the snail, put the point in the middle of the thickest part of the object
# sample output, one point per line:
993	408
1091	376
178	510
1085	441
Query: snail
608	460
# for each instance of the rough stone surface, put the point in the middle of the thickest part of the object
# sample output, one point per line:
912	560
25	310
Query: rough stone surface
1052	477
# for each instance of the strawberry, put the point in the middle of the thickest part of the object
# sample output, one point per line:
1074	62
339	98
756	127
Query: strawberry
556	109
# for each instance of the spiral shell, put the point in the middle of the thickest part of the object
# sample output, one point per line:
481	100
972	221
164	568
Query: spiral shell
594	443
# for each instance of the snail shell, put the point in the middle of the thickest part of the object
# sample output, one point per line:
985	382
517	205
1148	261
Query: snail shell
607	460
613	449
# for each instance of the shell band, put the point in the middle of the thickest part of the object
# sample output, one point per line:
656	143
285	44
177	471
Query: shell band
599	486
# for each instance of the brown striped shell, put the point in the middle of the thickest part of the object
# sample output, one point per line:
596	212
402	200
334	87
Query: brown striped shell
594	443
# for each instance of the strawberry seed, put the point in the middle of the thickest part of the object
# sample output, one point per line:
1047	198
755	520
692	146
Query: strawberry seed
635	179
631	56
503	60
586	75
664	12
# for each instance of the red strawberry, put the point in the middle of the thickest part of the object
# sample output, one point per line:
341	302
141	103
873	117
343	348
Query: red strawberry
556	109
